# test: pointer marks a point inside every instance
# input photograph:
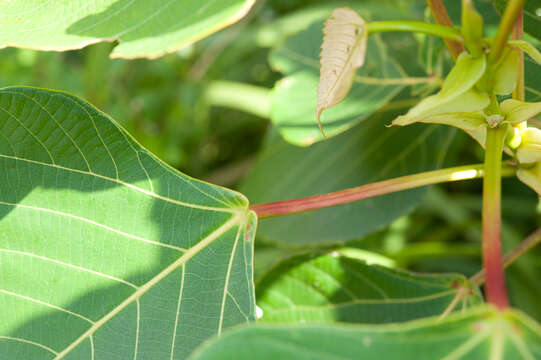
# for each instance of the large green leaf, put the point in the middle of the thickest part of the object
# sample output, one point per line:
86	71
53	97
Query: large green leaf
143	28
532	20
106	252
481	333
295	96
339	287
367	153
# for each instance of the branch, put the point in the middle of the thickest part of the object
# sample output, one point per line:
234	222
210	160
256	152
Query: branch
439	12
288	207
510	15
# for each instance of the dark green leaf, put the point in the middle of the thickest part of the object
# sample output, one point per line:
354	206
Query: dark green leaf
337	287
481	333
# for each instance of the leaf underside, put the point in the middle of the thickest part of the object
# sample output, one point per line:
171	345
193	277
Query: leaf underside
143	28
106	252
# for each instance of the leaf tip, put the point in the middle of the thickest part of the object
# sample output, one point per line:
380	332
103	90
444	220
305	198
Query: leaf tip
318	115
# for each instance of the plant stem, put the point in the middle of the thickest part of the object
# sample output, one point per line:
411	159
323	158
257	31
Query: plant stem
439	12
512	11
252	99
526	245
518	34
492	261
288	207
518	93
444	32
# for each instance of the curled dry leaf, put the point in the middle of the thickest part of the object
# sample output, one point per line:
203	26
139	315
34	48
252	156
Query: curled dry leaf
342	53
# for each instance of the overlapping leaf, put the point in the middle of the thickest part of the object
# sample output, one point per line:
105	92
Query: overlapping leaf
482	333
338	288
105	251
143	28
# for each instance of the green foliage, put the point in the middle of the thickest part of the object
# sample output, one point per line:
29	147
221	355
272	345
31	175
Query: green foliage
90	217
364	154
108	253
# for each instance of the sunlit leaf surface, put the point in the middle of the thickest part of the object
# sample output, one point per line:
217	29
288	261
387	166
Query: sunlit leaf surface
143	28
105	251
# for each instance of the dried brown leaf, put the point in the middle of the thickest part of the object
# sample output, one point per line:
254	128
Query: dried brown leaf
342	53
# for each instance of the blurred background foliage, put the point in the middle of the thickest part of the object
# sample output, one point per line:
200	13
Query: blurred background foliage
205	111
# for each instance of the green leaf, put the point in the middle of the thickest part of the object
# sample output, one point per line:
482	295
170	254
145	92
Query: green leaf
106	251
481	333
367	153
336	287
532	20
295	97
143	28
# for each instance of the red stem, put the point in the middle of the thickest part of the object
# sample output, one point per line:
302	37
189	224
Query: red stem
287	207
492	252
439	12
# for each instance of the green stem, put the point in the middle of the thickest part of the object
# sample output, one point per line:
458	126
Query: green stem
518	34
288	207
444	32
492	260
249	98
512	11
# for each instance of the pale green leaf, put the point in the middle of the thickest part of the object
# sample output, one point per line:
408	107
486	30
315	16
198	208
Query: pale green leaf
456	95
107	252
142	28
335	287
506	73
342	53
517	111
531	177
482	334
471	27
528	48
529	150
